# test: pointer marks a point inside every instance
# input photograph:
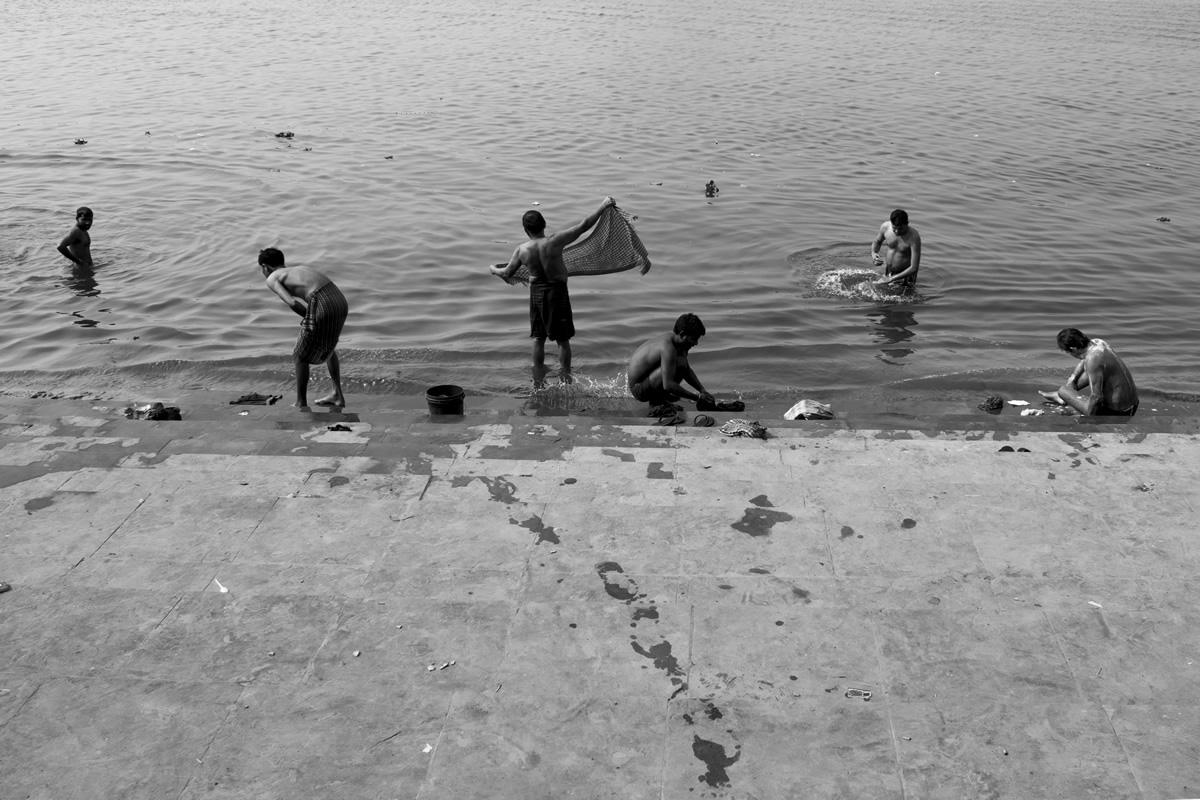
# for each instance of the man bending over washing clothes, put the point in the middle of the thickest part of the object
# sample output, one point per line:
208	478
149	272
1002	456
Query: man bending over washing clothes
1100	370
902	260
659	367
549	304
315	297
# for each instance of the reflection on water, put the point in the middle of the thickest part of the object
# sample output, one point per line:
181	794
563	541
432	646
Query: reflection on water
893	326
81	282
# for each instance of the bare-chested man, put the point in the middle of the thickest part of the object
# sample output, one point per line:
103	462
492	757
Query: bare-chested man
1100	369
315	297
659	367
903	256
549	304
77	244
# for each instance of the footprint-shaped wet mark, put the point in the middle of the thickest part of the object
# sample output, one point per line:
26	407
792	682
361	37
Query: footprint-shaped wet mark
663	659
649	612
802	594
38	503
608	451
761	501
501	490
655	471
847	532
616	583
570	482
544	532
759	521
715	758
759	571
908	523
338	480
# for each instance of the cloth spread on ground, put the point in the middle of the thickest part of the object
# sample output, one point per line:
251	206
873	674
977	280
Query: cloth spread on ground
322	325
744	427
256	399
613	246
808	409
720	405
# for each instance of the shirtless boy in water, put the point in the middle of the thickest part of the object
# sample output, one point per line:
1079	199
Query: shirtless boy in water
315	297
1100	369
659	367
77	244
549	304
903	257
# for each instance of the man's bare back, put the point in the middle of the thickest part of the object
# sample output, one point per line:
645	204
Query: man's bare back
659	366
297	282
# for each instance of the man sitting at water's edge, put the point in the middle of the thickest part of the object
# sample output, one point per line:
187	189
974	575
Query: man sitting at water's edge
659	367
1100	369
315	297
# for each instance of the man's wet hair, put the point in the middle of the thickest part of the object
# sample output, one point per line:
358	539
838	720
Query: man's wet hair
83	210
534	222
899	217
1072	339
689	325
270	257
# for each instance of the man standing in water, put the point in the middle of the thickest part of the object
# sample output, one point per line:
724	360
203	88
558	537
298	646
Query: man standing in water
549	304
903	257
77	244
659	367
1100	369
315	297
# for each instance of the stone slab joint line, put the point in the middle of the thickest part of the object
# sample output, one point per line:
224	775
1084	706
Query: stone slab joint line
13	716
253	531
335	622
1109	712
208	746
120	524
1067	661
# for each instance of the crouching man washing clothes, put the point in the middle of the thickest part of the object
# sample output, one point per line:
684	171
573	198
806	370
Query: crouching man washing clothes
659	367
1101	371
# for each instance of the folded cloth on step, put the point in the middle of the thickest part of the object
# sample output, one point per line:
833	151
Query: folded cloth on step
744	427
808	409
613	246
256	399
720	405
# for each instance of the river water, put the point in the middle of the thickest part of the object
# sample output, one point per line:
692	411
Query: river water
1035	144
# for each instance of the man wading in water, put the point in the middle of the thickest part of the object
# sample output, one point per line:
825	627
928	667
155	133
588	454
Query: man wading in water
903	257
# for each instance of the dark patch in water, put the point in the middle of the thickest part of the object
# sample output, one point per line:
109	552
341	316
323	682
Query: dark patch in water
655	470
803	594
615	586
761	501
38	503
714	757
338	480
758	522
545	532
908	523
608	451
650	612
847	531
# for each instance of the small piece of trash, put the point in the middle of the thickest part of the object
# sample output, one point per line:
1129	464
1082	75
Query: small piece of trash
1094	603
428	748
1032	412
430	668
863	694
356	652
219	586
906	738
536	203
1018	402
443	666
398	627
271	653
452	663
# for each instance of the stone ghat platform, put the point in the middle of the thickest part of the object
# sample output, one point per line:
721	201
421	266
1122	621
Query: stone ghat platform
515	604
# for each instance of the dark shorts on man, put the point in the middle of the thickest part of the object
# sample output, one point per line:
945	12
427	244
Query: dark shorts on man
1104	411
322	325
646	392
550	311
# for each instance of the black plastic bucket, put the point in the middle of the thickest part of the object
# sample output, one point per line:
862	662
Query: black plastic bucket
446	399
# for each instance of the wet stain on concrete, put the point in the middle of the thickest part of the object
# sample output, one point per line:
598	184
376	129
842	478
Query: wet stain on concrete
649	612
714	757
802	594
662	656
338	480
908	523
688	719
655	470
1050	476
761	501
725	586
545	532
38	503
759	571
608	451
616	584
321	471
847	532
570	482
758	521
712	712
501	490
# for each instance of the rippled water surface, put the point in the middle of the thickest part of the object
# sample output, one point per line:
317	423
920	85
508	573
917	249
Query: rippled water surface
1035	145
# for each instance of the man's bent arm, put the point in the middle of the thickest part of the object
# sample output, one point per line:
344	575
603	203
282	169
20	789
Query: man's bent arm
64	248
875	245
507	272
293	302
572	233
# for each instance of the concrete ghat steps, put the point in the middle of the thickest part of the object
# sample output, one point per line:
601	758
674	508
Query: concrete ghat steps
846	610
